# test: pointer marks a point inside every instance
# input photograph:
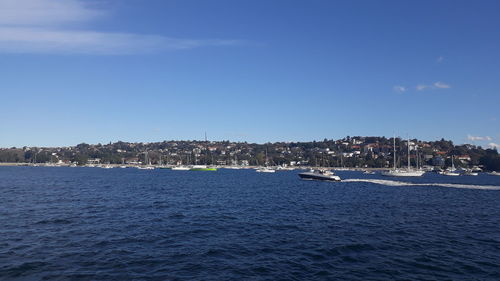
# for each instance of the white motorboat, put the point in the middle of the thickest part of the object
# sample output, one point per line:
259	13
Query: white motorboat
323	175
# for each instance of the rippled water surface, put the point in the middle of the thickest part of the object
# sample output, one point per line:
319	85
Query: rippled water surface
129	224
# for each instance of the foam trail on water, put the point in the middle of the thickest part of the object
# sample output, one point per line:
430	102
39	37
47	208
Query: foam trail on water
401	183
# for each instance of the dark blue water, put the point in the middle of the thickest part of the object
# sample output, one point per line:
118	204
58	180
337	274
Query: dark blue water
129	224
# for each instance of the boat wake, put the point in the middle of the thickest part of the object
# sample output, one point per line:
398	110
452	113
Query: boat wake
401	183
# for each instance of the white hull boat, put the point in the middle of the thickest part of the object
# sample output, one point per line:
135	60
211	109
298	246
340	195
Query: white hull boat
322	175
403	173
265	170
180	168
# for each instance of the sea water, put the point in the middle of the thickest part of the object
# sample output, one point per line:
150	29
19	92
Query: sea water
128	224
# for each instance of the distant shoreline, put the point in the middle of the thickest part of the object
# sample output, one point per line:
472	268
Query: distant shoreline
221	167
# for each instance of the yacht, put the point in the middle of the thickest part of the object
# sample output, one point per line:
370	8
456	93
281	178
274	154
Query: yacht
402	172
323	175
265	169
452	171
148	166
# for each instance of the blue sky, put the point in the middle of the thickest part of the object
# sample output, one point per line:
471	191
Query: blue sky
94	71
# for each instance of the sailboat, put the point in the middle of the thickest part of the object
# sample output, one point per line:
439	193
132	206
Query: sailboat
265	169
452	171
197	167
409	172
181	167
148	161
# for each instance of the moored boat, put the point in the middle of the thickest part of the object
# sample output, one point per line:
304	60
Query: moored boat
451	171
145	167
180	168
265	170
470	173
403	173
409	172
202	168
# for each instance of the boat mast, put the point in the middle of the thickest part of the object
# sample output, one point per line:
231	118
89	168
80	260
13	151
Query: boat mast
394	145
417	157
408	153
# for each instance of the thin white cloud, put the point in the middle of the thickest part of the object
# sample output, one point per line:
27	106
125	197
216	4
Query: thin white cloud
44	12
478	138
436	85
441	85
421	87
494	145
41	27
440	59
399	89
41	41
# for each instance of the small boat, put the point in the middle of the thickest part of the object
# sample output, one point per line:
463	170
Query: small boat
368	172
265	170
233	167
449	173
145	167
202	168
495	173
470	172
180	168
323	175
